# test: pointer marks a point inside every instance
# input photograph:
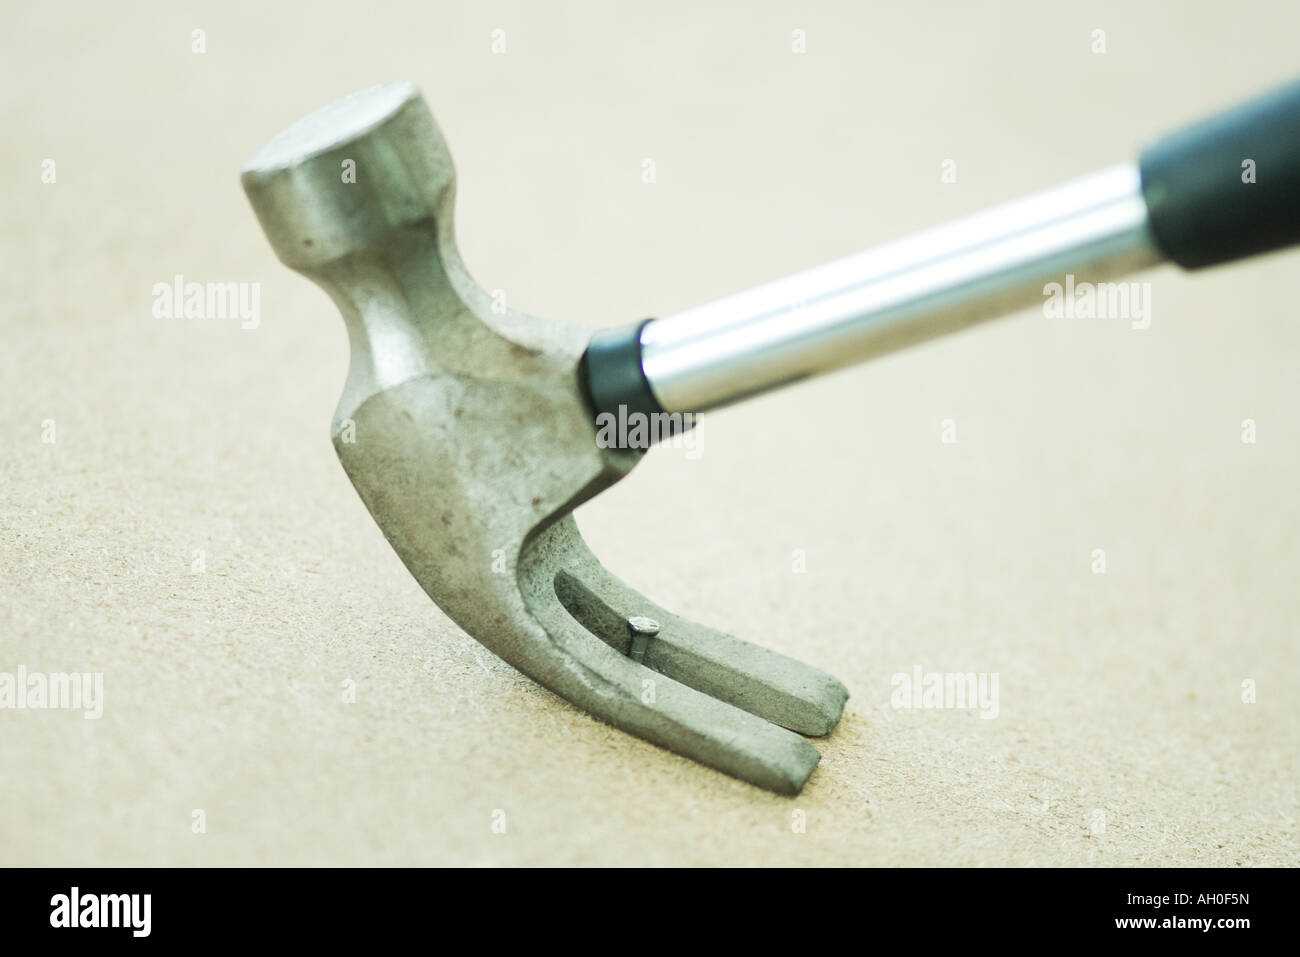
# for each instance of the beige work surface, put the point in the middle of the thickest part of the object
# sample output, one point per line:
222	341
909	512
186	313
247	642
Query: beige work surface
190	535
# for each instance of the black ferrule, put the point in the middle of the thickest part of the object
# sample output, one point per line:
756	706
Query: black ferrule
612	374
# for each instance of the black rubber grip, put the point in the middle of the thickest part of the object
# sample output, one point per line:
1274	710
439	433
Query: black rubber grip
1228	187
611	370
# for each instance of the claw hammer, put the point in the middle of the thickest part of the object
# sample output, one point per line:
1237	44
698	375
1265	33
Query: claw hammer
470	432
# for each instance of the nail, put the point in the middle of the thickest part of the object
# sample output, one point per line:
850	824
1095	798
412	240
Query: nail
641	629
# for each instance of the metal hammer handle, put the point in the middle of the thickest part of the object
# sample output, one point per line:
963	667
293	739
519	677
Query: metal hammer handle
1224	189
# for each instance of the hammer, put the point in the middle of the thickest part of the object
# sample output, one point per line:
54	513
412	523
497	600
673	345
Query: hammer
472	432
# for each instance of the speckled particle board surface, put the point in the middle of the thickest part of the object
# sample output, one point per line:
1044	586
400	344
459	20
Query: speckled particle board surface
188	533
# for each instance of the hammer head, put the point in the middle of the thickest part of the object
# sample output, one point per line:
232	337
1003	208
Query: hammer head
466	432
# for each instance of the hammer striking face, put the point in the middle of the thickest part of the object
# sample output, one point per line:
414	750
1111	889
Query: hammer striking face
469	436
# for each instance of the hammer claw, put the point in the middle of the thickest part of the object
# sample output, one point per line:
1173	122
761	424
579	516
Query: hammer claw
699	692
764	683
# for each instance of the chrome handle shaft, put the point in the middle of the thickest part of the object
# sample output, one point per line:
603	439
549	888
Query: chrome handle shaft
918	288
